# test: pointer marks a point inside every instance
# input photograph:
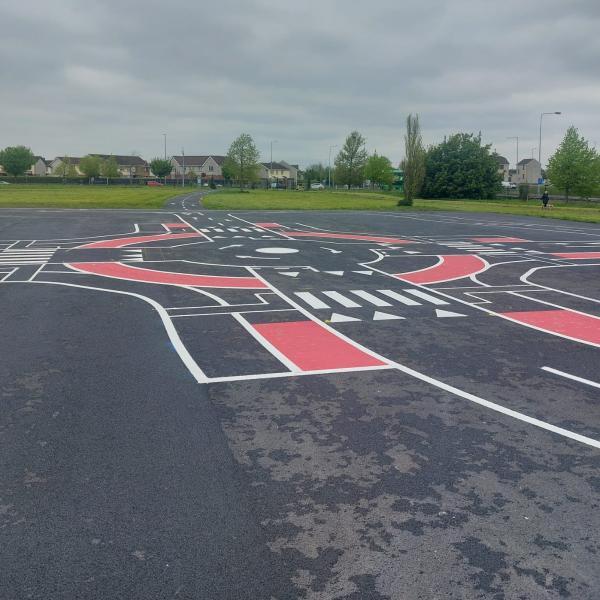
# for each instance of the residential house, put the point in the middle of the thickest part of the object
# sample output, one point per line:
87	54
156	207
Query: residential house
129	166
40	168
279	172
207	167
503	167
529	171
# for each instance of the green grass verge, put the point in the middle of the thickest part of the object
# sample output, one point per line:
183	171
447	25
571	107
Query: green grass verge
84	196
386	201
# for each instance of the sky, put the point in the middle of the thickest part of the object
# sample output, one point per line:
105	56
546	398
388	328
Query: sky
111	77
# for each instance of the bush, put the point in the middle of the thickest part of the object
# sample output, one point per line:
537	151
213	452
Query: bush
523	191
404	202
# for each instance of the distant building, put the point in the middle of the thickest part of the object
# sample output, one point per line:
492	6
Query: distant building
207	167
279	172
129	166
503	167
529	170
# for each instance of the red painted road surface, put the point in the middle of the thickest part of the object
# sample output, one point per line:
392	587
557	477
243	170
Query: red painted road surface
577	255
499	240
580	327
269	225
176	225
121	271
347	236
140	239
313	348
451	266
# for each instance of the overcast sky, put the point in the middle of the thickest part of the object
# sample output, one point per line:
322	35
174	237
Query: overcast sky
111	77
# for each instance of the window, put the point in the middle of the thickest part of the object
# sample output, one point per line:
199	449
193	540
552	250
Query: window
210	167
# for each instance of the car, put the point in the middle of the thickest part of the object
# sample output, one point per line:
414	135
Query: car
509	185
4	183
317	186
155	183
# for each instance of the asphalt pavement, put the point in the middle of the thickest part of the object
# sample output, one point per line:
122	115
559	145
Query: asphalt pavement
281	405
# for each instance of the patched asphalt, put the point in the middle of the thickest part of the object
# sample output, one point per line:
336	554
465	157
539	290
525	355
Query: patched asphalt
122	476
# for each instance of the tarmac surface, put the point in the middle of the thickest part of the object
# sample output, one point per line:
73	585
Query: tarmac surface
282	405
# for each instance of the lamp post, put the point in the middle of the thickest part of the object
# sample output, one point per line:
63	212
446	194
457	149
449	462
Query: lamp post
165	136
183	166
329	165
515	137
271	168
557	112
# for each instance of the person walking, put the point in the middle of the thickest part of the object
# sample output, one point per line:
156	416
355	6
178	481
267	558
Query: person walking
545	199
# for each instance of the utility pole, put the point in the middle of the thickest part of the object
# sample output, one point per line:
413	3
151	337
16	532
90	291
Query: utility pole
329	165
540	143
165	136
183	165
271	169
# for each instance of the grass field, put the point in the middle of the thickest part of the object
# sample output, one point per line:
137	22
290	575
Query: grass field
386	201
85	196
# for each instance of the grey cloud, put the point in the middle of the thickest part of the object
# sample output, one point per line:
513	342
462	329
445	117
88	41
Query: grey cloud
112	76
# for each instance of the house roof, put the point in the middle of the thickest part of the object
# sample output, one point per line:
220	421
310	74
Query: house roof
275	165
198	161
501	159
137	161
526	161
74	160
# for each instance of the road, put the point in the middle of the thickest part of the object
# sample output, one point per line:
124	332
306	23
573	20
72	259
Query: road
298	405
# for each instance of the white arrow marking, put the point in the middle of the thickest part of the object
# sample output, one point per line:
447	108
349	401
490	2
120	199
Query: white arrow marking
231	246
337	318
291	274
363	272
447	313
381	316
338	273
331	250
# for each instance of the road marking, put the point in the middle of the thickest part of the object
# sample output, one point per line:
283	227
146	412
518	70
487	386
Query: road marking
311	300
399	297
338	318
573	377
341	299
428	297
447	313
381	316
370	298
363	272
337	273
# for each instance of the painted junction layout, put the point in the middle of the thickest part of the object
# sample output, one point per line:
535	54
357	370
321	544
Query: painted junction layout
298	405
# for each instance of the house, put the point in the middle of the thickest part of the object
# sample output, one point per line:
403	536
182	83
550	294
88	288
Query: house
279	172
208	166
529	171
129	166
40	168
503	167
55	166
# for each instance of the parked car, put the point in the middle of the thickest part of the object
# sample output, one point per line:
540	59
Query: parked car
4	183
155	183
509	185
317	186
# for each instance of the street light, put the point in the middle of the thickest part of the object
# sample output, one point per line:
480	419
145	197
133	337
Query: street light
165	136
271	170
515	137
329	165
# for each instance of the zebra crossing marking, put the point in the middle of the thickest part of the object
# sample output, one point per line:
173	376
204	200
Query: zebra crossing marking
341	299
399	297
428	297
370	298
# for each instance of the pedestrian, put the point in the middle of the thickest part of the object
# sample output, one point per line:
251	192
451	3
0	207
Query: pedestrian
545	199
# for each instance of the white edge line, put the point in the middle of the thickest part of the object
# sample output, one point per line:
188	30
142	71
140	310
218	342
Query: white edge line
266	344
573	377
244	312
178	345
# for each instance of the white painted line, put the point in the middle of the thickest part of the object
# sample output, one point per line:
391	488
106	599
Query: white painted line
399	297
311	300
370	298
232	229
341	299
217	229
573	377
266	344
428	297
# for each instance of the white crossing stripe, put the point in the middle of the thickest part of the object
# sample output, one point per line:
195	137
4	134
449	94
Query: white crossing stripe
341	299
399	297
245	229
205	230
217	230
26	256
428	297
232	229
370	298
311	300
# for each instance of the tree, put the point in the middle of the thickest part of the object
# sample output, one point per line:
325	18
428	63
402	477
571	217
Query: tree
91	166
161	167
242	160
413	164
574	167
16	160
109	168
461	167
350	161
314	173
379	170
